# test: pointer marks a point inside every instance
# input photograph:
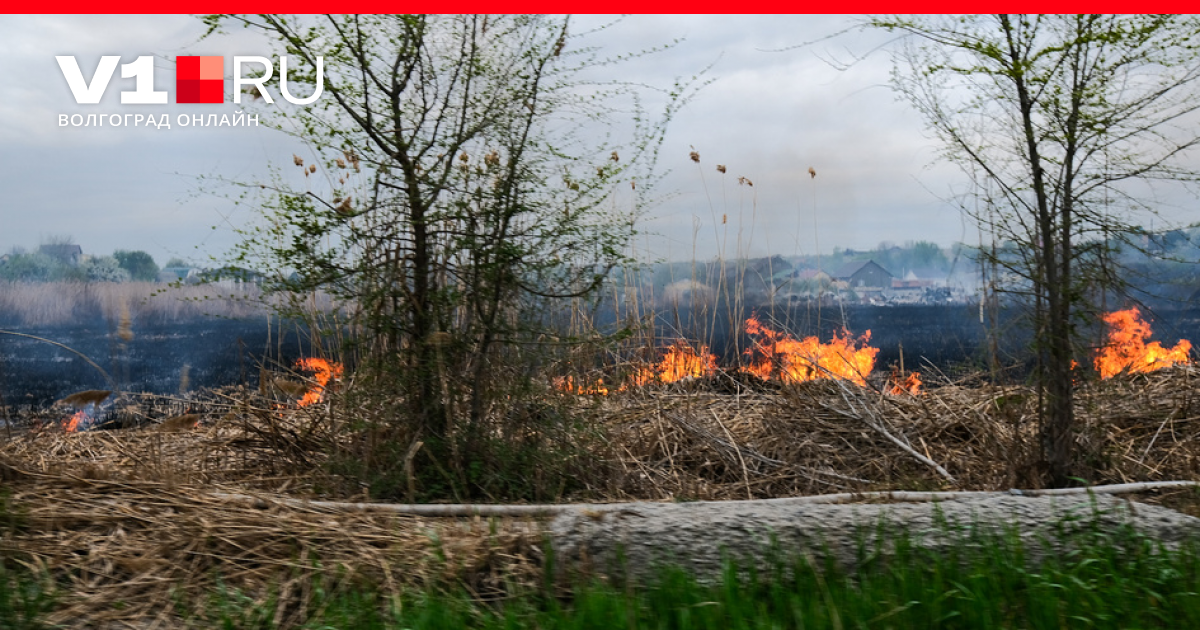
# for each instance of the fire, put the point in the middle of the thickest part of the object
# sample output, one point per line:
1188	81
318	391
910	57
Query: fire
777	353
680	362
567	384
910	385
324	371
78	422
1127	350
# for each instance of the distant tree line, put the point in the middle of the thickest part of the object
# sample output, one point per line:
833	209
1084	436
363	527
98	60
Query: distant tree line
64	261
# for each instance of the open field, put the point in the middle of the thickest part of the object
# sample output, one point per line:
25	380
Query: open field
138	336
157	358
65	303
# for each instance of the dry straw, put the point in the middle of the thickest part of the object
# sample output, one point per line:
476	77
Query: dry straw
148	516
124	304
137	516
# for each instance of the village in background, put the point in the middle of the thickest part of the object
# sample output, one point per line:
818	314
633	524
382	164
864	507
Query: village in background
917	272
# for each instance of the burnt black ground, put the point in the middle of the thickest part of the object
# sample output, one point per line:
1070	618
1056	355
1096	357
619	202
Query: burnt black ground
222	352
216	352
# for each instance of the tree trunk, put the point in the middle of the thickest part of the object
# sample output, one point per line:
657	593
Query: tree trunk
1054	334
424	388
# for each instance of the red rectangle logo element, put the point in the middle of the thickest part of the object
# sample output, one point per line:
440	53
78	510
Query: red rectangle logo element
199	79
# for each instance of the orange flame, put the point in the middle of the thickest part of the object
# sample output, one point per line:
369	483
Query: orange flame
680	362
567	384
1127	349
325	370
808	359
81	418
910	385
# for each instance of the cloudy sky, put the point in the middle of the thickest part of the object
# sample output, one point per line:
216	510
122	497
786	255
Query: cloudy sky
769	116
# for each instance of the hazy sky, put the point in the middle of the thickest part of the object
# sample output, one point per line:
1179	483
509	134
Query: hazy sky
769	116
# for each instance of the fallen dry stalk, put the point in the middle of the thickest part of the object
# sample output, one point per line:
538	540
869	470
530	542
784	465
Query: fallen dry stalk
865	412
413	509
516	511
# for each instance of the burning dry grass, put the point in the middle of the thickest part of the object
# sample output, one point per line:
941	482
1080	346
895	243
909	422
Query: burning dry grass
774	355
816	420
831	436
324	372
1126	349
809	438
130	515
778	355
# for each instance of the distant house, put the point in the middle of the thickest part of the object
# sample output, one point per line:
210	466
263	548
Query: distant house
186	275
813	274
783	277
801	284
914	280
769	267
64	253
231	277
864	275
791	278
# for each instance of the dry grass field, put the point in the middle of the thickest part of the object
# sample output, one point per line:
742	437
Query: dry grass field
61	303
146	516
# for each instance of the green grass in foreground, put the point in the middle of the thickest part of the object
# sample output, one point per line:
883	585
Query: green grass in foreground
1111	582
24	599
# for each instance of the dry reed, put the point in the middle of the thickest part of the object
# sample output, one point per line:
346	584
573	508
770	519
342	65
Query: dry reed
130	515
136	517
62	303
826	436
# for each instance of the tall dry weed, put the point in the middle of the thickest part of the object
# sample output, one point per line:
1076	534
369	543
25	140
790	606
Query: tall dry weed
125	304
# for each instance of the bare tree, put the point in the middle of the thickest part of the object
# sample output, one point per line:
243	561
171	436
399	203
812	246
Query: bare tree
466	177
1054	118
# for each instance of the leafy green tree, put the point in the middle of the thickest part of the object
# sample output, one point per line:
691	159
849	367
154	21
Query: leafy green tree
1054	118
927	255
32	267
139	264
461	181
104	269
